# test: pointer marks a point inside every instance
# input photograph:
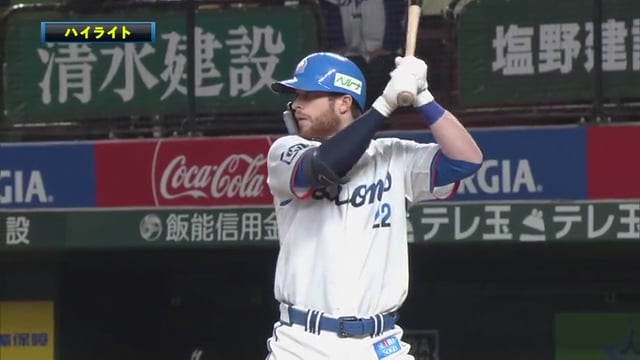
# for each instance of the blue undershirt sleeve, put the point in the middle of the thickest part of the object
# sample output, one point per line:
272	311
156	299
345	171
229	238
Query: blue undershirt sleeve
342	151
449	171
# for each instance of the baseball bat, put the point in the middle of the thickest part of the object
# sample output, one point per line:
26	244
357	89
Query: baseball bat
405	98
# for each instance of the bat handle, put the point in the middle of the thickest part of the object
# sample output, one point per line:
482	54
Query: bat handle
405	98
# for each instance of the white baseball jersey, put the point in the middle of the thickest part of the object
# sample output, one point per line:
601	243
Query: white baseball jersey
343	249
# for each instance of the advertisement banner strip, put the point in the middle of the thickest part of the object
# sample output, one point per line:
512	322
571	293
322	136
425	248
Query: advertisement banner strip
524	163
614	170
183	172
47	175
252	226
520	164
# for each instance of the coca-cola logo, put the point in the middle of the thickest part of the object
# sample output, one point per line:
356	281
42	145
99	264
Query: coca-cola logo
211	172
236	176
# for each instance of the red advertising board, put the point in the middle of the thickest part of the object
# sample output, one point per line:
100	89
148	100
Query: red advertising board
613	155
183	172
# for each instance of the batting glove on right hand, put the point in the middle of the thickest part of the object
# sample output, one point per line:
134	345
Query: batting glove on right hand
418	69
401	80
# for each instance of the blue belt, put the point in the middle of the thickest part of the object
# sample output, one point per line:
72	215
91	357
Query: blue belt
347	326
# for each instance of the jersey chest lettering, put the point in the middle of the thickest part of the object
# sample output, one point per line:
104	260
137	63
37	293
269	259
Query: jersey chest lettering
361	195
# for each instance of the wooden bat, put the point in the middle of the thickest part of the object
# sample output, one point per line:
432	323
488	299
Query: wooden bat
405	98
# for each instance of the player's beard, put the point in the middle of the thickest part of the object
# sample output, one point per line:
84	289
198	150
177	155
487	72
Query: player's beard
322	126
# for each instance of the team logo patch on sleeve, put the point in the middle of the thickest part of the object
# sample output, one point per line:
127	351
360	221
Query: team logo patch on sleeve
291	153
386	347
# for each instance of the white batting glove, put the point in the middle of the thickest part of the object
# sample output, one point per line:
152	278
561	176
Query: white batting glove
400	81
418	69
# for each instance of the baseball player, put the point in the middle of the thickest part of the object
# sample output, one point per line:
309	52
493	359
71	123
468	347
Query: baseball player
340	199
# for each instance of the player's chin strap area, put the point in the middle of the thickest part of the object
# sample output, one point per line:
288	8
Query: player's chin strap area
347	326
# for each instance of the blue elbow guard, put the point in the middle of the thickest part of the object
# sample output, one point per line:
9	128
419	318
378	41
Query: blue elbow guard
449	171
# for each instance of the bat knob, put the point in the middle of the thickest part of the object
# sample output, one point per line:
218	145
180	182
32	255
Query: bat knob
405	98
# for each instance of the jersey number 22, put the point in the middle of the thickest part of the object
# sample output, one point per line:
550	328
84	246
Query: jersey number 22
383	214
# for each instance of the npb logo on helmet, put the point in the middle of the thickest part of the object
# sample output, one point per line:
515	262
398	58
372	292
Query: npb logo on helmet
348	82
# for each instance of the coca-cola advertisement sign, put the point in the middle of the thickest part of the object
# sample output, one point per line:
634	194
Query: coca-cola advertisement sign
183	172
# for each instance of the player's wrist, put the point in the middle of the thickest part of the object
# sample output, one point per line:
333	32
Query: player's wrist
431	112
382	106
424	97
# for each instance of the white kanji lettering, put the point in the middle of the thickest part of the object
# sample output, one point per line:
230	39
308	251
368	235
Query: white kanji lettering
176	61
270	227
592	232
635	46
228	227
205	70
265	46
251	226
558	47
17	230
239	76
74	71
514	54
132	65
566	214
614	53
460	234
499	224
202	227
588	47
178	227
632	221
434	216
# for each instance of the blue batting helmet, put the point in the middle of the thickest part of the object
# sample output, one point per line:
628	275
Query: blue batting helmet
326	72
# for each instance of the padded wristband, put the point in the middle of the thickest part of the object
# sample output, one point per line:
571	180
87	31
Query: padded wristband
431	112
382	106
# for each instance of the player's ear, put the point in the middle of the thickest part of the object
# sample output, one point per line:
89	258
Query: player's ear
344	104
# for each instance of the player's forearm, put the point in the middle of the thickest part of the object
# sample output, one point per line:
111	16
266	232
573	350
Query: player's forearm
455	141
337	155
342	151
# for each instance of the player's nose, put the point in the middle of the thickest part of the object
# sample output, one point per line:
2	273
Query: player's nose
296	104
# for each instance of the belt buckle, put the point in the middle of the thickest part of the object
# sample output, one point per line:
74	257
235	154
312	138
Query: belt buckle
341	320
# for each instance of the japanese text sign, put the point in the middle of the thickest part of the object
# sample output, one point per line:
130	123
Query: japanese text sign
515	52
254	225
239	52
100	32
527	222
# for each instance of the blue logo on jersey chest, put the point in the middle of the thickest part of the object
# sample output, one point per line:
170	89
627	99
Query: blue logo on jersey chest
361	194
